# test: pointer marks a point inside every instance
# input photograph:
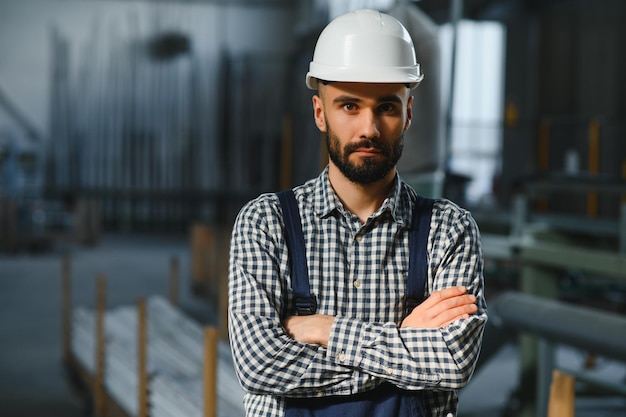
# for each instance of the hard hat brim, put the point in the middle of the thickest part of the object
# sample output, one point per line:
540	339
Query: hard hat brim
410	75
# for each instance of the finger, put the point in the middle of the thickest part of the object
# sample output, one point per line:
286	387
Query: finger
450	304
448	316
464	316
441	295
442	313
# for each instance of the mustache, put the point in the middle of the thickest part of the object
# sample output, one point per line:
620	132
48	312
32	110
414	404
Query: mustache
366	143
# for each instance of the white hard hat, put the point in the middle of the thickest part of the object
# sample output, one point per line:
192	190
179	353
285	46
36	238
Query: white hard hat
364	46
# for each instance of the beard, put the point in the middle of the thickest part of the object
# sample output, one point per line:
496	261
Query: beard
369	169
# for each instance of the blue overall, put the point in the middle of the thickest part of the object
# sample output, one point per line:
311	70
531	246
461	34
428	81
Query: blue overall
386	400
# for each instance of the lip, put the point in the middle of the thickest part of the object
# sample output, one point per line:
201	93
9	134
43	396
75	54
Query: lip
367	151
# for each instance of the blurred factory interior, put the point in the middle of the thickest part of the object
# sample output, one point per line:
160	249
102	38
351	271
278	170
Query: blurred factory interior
131	132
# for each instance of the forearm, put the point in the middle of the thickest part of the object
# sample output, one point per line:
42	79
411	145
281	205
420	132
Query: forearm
429	356
267	359
436	358
441	309
279	365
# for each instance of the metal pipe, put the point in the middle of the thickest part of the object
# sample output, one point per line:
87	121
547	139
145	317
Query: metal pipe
594	164
596	331
622	229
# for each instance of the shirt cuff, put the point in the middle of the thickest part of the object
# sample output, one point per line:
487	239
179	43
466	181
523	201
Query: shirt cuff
346	341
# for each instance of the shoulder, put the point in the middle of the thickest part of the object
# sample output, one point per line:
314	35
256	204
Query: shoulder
447	216
452	221
261	213
444	210
265	210
450	211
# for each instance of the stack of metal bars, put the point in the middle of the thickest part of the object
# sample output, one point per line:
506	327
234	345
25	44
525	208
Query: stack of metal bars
175	368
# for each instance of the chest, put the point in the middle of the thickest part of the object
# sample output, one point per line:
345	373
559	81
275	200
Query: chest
358	270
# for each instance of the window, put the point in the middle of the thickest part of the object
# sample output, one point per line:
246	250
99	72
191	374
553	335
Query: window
474	140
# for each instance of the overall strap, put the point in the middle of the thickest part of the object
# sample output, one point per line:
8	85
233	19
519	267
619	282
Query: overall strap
418	254
304	302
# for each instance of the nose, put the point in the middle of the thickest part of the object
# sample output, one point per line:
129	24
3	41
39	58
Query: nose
368	125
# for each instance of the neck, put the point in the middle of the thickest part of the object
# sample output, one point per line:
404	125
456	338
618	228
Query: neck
360	199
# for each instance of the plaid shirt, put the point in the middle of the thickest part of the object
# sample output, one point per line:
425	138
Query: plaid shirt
358	274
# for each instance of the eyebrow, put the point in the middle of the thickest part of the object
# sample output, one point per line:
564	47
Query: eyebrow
385	99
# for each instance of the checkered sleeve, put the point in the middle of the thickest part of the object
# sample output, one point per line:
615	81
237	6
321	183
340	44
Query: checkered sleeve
267	360
432	359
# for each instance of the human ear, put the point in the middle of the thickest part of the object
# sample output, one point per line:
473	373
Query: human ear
318	113
409	113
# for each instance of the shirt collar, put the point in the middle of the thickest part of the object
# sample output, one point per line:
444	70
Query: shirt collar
326	201
398	202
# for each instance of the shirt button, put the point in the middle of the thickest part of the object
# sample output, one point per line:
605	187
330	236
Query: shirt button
321	394
356	283
389	371
342	357
359	238
449	415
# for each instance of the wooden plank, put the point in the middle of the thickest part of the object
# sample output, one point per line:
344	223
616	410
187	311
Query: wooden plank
202	257
210	372
562	395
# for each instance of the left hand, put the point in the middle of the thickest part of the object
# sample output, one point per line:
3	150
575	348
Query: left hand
442	308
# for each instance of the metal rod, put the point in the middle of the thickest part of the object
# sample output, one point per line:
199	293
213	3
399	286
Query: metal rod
142	371
546	361
456	14
286	153
66	305
100	347
596	331
174	280
594	165
543	157
622	229
12	110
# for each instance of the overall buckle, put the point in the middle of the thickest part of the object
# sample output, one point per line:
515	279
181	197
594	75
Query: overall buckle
305	306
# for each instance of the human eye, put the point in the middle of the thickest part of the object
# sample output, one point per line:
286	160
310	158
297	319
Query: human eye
388	108
349	107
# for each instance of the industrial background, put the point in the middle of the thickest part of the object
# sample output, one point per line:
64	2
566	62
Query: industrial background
131	132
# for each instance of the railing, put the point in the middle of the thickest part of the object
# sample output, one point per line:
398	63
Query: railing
557	323
149	359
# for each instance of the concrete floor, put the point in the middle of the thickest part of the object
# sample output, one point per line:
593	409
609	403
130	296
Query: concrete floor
33	380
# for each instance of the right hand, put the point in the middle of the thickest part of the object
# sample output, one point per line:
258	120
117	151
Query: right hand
442	308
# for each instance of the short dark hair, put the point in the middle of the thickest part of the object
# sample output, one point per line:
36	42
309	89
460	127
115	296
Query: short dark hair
326	82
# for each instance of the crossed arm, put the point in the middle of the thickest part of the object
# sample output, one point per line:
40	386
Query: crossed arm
434	347
440	309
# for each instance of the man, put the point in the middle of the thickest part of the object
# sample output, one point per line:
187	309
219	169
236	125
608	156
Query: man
359	349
